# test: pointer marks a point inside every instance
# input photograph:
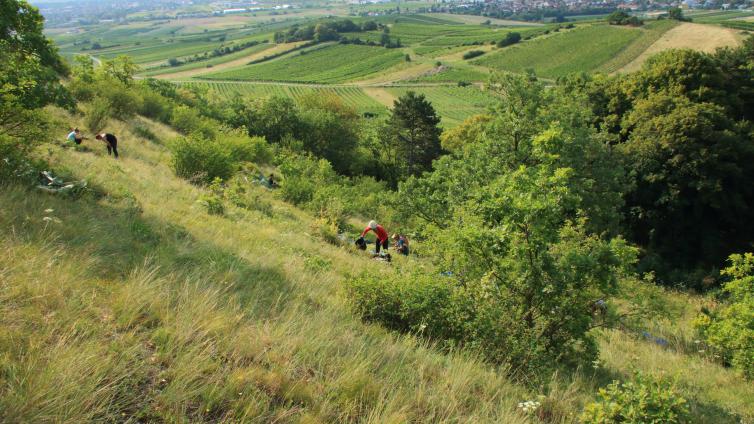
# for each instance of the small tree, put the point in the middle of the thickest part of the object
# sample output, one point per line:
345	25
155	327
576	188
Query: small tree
730	328
510	38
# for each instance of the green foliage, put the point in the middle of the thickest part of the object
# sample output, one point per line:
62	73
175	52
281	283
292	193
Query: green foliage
643	400
97	114
620	17
419	302
242	148
213	198
413	136
509	39
188	120
201	160
730	328
472	54
303	176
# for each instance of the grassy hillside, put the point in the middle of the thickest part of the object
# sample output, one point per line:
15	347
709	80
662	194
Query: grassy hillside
583	49
131	302
328	64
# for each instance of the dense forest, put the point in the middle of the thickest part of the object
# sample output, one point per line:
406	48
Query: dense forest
530	221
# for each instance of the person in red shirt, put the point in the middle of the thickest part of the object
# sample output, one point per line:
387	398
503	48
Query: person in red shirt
381	233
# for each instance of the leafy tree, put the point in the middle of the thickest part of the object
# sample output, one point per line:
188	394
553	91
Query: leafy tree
676	13
274	119
730	328
413	134
692	169
122	68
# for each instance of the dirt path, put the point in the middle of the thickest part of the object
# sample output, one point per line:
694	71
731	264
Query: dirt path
278	48
687	35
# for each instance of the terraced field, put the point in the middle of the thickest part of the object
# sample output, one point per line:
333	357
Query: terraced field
453	104
453	73
329	64
351	96
583	49
205	64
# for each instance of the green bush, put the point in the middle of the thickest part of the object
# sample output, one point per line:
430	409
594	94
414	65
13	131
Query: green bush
97	114
243	148
730	328
472	54
422	302
124	100
303	175
188	121
200	160
644	400
213	199
154	106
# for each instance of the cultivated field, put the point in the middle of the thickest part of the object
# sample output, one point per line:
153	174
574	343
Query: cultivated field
329	64
583	49
453	104
688	36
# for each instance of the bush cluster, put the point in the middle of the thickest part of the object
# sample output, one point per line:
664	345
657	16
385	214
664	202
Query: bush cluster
641	400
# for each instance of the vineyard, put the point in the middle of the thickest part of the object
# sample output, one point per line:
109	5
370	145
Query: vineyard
210	62
330	64
584	49
650	33
455	72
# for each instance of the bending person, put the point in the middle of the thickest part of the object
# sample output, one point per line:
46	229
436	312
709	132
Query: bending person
380	232
111	141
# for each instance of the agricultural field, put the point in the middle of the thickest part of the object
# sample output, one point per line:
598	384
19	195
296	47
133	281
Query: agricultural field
688	35
583	49
207	65
329	64
650	33
454	73
351	96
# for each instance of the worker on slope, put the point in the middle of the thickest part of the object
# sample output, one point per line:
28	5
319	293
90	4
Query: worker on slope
111	141
380	232
75	136
400	242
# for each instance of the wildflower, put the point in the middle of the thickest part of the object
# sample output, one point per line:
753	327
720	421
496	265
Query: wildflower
48	210
47	219
529	406
596	363
701	350
422	327
697	341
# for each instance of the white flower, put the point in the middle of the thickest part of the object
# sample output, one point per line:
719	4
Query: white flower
697	341
596	363
47	219
48	210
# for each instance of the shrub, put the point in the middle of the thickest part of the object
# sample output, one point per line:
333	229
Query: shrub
97	114
154	106
200	160
188	121
472	54
642	400
213	199
510	38
124	100
730	329
243	148
423	302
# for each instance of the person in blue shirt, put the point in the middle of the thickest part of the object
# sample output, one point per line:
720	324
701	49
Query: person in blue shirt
401	243
75	136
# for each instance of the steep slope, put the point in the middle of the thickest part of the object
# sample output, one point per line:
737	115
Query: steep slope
131	303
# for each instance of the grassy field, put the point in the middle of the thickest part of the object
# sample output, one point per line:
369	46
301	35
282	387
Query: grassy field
455	72
135	304
328	64
583	49
351	96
